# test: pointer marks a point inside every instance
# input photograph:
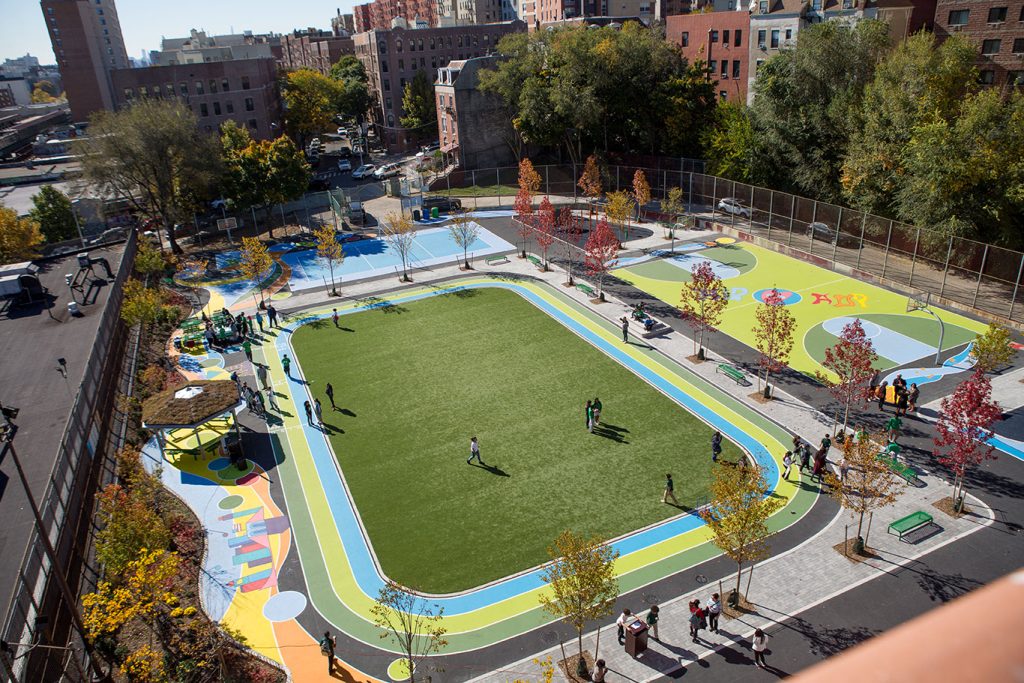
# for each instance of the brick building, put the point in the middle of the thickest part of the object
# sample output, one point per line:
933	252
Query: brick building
342	24
313	49
996	27
473	126
906	17
722	41
86	38
539	14
243	90
392	59
380	13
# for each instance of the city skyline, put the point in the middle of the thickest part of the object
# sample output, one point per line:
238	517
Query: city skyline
24	30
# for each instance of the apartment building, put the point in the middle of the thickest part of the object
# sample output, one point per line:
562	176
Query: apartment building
722	41
343	25
473	126
380	14
538	14
314	49
392	58
87	41
470	12
996	27
198	48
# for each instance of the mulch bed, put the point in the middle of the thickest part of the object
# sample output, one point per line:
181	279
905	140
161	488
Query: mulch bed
568	666
846	549
946	505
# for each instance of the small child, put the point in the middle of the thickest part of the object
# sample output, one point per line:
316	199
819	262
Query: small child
652	621
787	462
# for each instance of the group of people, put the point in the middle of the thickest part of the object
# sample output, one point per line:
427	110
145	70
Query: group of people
814	462
592	412
640	314
903	397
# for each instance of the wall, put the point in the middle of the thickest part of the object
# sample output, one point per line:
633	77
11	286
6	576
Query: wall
732	86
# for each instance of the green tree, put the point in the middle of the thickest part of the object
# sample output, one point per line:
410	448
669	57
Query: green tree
141	305
153	156
420	106
52	209
354	98
149	260
19	237
729	143
581	581
311	102
672	206
416	626
992	349
263	173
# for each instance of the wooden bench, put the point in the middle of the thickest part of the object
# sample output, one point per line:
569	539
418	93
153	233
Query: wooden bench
585	288
913	521
496	260
731	372
534	260
898	468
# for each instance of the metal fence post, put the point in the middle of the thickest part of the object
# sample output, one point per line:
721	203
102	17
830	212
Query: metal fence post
689	195
617	177
1016	285
792	212
913	259
945	271
839	231
984	257
885	257
863	227
771	204
732	216
547	181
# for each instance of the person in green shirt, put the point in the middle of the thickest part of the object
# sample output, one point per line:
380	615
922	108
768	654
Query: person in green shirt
652	621
287	363
247	347
893	426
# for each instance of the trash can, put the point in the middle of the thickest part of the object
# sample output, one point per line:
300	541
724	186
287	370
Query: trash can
415	214
636	638
434	212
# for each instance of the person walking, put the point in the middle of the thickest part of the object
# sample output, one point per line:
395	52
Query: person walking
697	620
309	412
759	643
912	397
334	317
261	407
247	348
826	443
902	402
596	411
329	390
272	315
625	328
600	671
843	469
261	375
272	400
882	390
624	618
588	412
893	427
669	490
652	621
318	410
714	611
805	457
327	645
474	452
787	462
259	320
287	363
716	446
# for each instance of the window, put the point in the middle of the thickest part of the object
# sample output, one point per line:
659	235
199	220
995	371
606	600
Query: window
762	7
168	90
789	34
143	91
224	85
128	94
49	10
996	15
432	44
110	50
203	109
401	84
99	11
686	39
1021	17
245	82
398	46
382	47
987	77
420	45
714	36
250	105
384	67
1015	78
725	69
252	124
423	63
958	17
401	65
991	46
735	68
107	40
739	37
723	95
199	88
725	37
775	37
229	107
387	86
847	4
387	103
1018	45
757	65
216	108
761	36
213	86
183	89
103	22
713	65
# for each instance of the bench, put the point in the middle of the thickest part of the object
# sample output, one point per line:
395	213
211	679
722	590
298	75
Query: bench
534	260
898	468
731	372
496	260
585	288
913	521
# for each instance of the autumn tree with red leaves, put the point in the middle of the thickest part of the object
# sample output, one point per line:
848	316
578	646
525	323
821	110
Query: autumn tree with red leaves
773	336
529	184
851	359
702	302
641	191
964	426
570	230
602	246
545	228
590	183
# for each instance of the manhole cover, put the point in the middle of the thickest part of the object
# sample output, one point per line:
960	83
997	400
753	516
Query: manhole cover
550	637
701	579
650	598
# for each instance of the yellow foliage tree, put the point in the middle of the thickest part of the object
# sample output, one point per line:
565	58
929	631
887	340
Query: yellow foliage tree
529	179
992	349
255	262
590	182
141	595
671	207
868	483
738	513
641	190
144	665
620	208
400	234
329	249
141	305
19	237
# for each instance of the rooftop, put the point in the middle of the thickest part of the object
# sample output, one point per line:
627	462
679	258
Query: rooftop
190	405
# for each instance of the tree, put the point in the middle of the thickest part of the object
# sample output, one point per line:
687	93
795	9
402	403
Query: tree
142	593
869	484
420	106
738	513
546	226
149	260
152	156
53	211
619	209
600	250
703	300
851	360
464	232
411	622
311	100
581	582
255	263
263	173
354	98
672	206
992	349
523	207
590	183
964	427
130	525
641	191
400	235
19	237
729	143
529	179
141	305
329	249
773	335
571	231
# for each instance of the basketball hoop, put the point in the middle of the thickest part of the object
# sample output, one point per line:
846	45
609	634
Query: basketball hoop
918	303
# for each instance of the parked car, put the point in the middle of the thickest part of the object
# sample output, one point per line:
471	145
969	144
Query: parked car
344	165
443	204
364	171
431	148
342	131
733	206
387	171
319	185
356	213
826	233
345	152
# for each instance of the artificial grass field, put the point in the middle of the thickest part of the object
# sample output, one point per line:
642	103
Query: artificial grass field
421	378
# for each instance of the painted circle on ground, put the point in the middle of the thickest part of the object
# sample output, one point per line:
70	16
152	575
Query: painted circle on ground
398	670
788	297
726	240
218	464
285	606
230	502
233	473
834	326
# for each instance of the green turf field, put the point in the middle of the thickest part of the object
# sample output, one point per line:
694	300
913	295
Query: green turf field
420	379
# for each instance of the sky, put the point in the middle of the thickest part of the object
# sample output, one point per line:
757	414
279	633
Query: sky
144	22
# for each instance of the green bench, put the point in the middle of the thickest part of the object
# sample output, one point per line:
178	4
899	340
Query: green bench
586	289
909	523
496	260
731	372
898	468
534	260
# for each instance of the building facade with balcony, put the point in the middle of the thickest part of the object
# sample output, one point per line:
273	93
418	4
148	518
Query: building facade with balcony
996	28
722	41
473	126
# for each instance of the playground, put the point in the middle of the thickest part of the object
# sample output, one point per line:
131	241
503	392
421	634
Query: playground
822	301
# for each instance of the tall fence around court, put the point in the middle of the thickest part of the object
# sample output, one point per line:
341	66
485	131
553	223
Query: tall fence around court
38	625
980	278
